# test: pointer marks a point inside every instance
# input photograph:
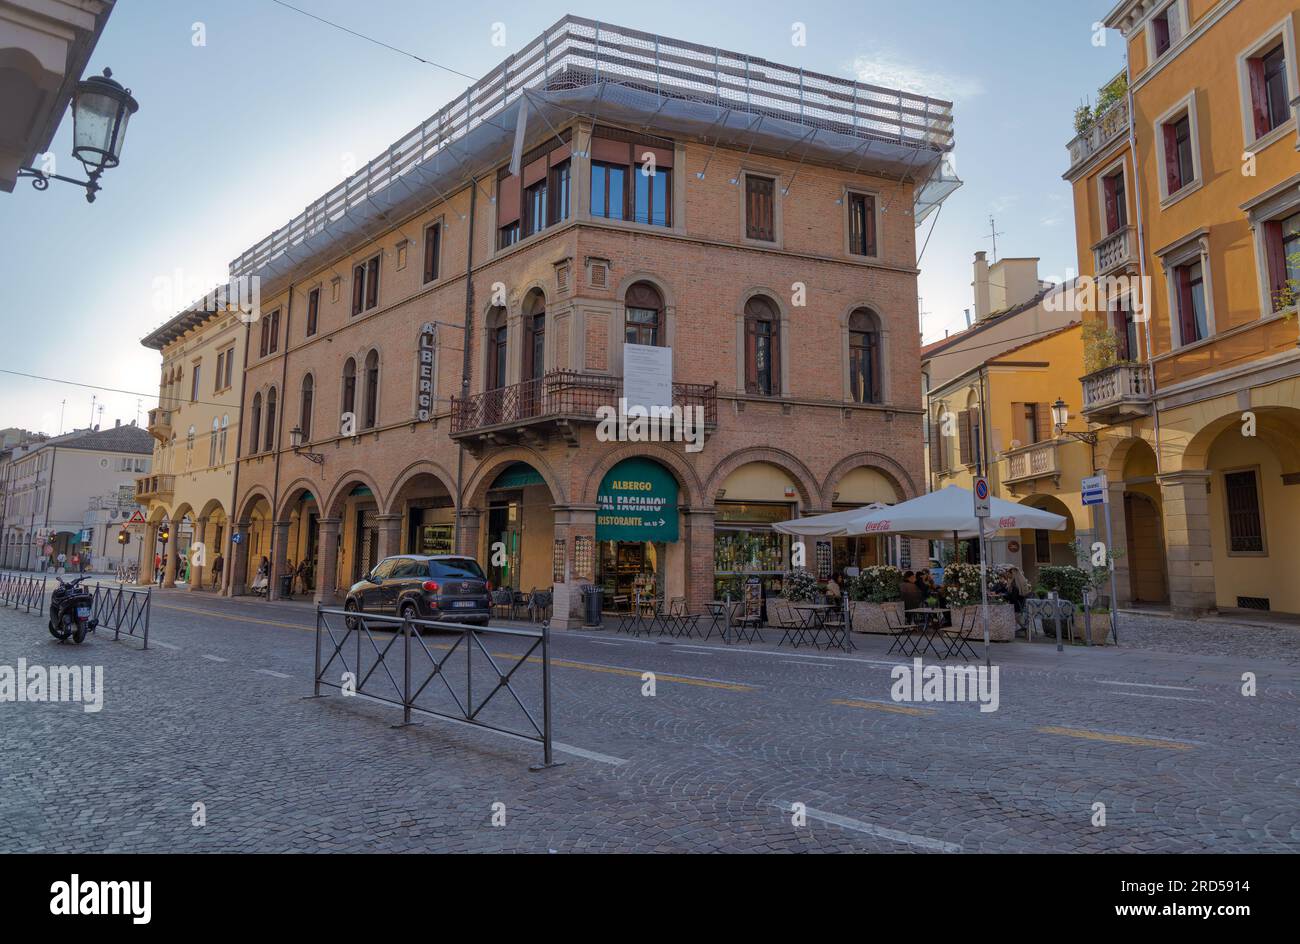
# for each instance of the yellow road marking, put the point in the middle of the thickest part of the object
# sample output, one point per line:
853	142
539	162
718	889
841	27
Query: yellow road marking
563	663
881	706
1115	738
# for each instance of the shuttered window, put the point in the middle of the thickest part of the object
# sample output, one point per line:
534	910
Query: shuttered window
862	224
1180	167
313	311
760	208
1245	523
432	250
1269	99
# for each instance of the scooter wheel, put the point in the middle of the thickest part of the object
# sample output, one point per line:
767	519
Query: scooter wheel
60	630
78	631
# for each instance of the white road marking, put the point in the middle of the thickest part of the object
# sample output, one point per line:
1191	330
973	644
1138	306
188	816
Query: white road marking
806	662
273	674
589	755
1173	688
214	658
165	645
1203	701
880	832
735	648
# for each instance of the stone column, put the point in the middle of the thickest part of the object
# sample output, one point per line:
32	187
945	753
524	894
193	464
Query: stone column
199	561
699	557
1119	543
328	550
279	557
572	522
467	543
169	564
237	567
148	546
390	534
1187	542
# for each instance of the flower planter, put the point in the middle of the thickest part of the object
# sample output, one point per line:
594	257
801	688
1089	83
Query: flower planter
1100	627
1002	621
870	617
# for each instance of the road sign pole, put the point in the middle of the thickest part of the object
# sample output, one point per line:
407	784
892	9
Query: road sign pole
982	512
1110	564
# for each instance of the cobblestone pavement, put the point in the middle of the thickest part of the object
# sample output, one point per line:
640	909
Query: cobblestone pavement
1277	641
214	713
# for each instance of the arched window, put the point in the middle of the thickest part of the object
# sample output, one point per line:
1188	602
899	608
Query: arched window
496	347
304	417
255	424
225	428
270	420
864	356
372	390
762	347
189	438
534	336
350	386
644	315
212	444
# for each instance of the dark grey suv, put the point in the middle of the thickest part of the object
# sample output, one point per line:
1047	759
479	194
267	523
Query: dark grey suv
445	587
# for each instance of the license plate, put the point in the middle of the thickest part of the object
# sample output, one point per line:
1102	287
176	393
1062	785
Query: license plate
83	612
464	603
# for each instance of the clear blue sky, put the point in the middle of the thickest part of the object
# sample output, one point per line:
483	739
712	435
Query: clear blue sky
236	136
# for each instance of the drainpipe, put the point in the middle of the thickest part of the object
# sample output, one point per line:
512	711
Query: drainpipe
279	419
229	570
465	355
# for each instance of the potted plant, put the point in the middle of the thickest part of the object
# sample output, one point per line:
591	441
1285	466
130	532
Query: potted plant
1069	583
873	593
800	586
963	590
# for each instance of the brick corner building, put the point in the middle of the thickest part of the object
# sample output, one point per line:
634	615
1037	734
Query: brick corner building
438	332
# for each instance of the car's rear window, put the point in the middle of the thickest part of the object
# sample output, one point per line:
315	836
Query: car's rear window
456	567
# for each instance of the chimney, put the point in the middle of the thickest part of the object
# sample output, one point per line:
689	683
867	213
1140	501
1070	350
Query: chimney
983	303
117	424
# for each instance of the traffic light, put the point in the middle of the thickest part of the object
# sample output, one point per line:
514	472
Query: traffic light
124	537
163	533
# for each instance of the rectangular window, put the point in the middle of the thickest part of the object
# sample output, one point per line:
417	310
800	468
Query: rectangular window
560	192
313	310
230	366
1282	248
1042	547
1269	99
1180	165
862	224
372	283
273	336
760	208
763	356
1162	32
1116	202
221	371
535	207
1245	523
194	381
365	286
1125	328
508	235
432	250
652	197
358	288
609	191
1193	323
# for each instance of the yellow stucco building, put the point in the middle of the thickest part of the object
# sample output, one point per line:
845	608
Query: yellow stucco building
989	396
1187	214
191	486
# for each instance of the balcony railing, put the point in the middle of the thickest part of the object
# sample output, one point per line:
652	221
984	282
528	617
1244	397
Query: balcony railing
1106	127
160	424
1035	461
561	396
1115	251
1116	394
149	487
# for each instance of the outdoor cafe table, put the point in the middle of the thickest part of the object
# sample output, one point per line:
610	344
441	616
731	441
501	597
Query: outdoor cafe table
931	626
812	617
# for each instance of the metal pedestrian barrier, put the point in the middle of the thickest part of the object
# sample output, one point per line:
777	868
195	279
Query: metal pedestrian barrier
388	659
124	610
25	590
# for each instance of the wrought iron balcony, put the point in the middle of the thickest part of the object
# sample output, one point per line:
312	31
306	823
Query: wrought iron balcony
556	403
160	424
1115	252
1107	127
1117	394
150	487
1035	461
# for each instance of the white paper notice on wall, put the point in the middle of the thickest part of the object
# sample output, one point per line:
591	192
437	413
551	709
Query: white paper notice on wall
648	376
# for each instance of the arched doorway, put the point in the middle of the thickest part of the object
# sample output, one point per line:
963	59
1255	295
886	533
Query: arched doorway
1040	547
300	517
1145	549
861	486
516	547
751	499
421	515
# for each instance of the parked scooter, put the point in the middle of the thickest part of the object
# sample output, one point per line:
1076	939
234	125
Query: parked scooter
70	609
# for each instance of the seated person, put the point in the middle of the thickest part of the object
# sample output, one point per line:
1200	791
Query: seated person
912	594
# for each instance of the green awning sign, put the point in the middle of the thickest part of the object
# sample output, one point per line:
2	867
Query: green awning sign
637	502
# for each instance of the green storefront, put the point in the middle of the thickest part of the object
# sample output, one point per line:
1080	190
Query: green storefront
636	520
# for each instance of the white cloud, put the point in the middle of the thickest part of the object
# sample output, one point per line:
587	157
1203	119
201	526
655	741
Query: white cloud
886	68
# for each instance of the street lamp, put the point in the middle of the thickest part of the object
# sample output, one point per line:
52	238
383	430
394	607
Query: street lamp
1061	416
295	441
101	109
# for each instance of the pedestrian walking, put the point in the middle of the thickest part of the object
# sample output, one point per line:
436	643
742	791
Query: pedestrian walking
63	563
218	564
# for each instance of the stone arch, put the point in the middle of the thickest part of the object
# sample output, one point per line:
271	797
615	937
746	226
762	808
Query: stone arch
1276	426
810	494
903	482
691	492
251	498
409	474
475	491
213	507
660	285
290	496
333	506
1113	454
159	513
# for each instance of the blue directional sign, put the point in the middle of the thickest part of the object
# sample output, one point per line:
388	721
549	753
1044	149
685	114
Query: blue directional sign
1095	491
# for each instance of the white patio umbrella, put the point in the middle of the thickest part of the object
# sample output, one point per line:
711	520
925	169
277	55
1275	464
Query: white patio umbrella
949	511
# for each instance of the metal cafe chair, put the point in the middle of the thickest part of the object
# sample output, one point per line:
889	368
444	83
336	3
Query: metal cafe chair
684	623
784	618
747	619
958	637
907	636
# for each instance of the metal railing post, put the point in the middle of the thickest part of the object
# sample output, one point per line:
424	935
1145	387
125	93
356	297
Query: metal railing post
148	611
547	757
406	671
316	677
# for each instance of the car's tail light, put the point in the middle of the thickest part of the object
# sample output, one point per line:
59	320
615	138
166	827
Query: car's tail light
488	586
432	586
